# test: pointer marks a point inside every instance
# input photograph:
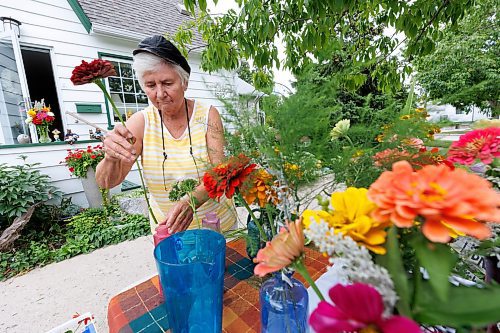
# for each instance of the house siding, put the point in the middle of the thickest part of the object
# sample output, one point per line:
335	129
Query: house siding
52	24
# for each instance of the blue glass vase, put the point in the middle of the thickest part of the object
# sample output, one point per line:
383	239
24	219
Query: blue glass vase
191	267
283	305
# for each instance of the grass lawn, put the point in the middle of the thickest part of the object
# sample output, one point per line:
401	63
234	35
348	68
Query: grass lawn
440	143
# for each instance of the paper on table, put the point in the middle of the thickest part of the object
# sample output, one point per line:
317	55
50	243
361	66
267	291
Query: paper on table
331	277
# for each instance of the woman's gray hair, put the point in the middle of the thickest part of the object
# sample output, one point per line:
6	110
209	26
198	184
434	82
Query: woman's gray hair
146	62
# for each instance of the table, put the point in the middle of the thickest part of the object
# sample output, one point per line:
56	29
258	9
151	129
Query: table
140	308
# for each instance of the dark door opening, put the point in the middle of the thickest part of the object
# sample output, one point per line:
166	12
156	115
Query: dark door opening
41	84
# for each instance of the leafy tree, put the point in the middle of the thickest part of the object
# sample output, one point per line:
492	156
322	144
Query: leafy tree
244	72
464	70
308	27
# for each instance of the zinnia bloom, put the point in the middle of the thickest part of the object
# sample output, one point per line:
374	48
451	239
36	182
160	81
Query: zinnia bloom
479	144
351	216
448	200
282	251
357	308
226	177
340	129
389	156
259	188
89	72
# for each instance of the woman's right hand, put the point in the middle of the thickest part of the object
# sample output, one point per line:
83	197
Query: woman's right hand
119	144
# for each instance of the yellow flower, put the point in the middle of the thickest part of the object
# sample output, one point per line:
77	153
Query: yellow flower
351	216
31	113
405	117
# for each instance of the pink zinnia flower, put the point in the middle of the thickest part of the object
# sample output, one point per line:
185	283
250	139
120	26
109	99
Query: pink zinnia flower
479	144
357	308
389	156
447	200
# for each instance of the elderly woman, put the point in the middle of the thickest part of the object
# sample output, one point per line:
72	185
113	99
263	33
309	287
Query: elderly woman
177	138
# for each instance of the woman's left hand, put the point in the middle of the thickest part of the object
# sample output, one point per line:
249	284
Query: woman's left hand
179	217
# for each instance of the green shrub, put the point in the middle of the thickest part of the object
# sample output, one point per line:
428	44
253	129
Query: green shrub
91	229
21	187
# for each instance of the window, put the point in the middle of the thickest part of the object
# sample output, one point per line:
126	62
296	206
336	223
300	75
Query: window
125	90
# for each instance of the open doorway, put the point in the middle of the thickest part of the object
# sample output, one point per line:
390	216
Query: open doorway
41	83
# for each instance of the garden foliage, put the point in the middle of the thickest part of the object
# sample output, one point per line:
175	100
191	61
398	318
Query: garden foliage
54	235
22	186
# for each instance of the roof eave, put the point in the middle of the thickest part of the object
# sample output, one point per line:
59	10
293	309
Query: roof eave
84	19
108	31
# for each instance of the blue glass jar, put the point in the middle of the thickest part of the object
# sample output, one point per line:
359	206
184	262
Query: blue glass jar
283	305
191	267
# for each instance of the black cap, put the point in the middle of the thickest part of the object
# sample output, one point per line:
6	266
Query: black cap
164	49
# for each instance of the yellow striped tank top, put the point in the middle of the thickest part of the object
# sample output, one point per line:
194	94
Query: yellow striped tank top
179	165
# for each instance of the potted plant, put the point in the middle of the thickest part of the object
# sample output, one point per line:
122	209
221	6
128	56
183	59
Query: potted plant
82	164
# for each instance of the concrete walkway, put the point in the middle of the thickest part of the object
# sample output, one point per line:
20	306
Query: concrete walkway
49	296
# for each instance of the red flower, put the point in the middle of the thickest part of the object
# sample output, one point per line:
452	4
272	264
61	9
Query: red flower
358	308
71	169
226	177
89	72
92	156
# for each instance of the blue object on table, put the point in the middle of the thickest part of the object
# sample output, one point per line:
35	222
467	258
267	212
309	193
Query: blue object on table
191	269
283	305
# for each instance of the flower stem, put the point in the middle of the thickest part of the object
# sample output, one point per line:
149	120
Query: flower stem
100	84
349	139
302	270
257	222
271	220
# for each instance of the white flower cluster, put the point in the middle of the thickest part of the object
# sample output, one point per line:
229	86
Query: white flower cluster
355	261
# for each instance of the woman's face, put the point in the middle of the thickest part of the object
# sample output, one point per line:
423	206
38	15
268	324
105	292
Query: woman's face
164	88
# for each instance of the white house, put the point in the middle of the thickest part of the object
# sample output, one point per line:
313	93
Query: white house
447	111
41	41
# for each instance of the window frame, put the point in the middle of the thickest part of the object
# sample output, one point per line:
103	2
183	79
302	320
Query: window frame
116	58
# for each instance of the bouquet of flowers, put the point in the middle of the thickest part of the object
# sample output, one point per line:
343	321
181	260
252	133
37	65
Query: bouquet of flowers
41	116
79	160
393	241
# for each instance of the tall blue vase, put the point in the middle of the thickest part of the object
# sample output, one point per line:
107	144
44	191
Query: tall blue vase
191	268
283	305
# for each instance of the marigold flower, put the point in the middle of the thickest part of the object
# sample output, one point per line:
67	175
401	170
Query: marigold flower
89	72
351	217
282	251
448	200
479	144
259	188
357	308
227	177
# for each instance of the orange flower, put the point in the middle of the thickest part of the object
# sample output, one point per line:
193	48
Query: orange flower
259	188
448	200
282	251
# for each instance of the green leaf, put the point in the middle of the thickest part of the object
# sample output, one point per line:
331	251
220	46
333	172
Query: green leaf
203	5
438	260
465	306
394	264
